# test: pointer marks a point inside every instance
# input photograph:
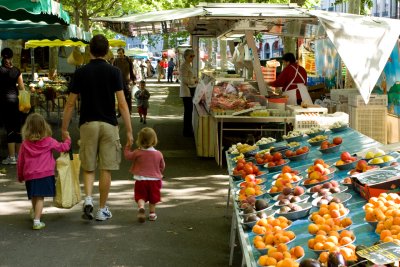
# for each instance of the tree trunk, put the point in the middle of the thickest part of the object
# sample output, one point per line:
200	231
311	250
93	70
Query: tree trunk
354	8
53	60
85	18
222	49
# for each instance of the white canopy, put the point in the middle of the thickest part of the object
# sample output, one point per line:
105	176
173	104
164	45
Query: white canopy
364	43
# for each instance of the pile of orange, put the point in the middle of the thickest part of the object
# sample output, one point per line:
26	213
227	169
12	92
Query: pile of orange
326	225
331	241
326	211
270	224
280	256
379	208
272	239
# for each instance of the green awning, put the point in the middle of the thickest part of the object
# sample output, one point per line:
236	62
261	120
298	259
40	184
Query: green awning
27	30
48	11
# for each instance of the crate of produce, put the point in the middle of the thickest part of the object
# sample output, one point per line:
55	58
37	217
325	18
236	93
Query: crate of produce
374	100
371	121
306	122
342	95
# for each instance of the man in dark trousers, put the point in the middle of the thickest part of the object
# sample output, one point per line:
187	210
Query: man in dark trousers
125	65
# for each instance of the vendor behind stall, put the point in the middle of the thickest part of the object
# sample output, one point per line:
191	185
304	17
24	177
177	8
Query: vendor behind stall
293	80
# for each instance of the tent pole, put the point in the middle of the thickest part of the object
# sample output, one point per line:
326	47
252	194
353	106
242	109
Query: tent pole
33	63
256	62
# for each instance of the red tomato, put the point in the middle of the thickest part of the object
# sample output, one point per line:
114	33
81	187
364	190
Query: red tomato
277	156
255	169
337	140
345	156
239	166
248	169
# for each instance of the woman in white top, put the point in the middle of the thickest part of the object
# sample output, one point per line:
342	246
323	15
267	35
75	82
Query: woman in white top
188	83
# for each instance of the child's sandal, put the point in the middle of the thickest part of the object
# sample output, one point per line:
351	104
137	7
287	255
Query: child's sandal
152	217
141	215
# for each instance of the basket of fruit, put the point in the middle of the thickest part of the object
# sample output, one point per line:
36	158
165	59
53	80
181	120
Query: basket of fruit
298	154
317	140
314	131
265	143
346	161
332	148
294	211
382	161
339	127
326	199
293	136
277	166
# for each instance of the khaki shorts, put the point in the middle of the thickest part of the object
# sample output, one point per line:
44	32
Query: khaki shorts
100	144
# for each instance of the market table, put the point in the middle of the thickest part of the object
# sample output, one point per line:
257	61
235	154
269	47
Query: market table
353	142
220	127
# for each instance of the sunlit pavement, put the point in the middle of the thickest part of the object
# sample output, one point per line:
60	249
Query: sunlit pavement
191	229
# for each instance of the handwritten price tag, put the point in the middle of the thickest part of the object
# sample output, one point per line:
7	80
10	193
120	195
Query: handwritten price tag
384	253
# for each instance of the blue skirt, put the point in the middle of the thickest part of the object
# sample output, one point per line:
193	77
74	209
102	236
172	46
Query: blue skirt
42	187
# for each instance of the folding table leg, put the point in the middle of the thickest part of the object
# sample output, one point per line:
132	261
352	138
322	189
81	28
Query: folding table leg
232	238
227	201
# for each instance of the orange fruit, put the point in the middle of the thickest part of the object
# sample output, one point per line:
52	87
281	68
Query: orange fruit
282	247
270	261
263	260
298	252
345	240
259	244
323	257
277	255
313	228
311	243
318	246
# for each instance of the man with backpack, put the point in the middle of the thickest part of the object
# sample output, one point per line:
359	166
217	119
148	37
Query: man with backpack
124	63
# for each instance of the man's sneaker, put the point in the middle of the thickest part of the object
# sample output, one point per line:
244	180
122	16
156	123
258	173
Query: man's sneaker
88	209
103	214
38	226
9	160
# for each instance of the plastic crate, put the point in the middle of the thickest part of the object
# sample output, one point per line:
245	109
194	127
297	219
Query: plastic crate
371	121
342	95
297	110
305	122
374	100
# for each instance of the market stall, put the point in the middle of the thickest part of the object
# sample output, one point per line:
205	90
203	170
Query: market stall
353	142
374	39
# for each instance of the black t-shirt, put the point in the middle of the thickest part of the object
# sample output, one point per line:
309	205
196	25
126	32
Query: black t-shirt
8	84
96	83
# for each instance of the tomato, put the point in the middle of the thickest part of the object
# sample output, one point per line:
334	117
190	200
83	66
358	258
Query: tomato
259	161
239	166
255	169
288	153
277	156
248	169
241	161
337	140
345	156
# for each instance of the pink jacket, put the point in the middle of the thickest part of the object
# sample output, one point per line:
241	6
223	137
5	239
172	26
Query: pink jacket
146	162
35	159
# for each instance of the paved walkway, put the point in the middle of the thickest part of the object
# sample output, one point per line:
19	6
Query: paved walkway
191	229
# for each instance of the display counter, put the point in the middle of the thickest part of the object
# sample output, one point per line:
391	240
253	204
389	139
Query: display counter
210	129
353	142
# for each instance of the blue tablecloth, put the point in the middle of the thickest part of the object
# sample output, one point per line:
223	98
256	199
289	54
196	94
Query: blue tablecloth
353	142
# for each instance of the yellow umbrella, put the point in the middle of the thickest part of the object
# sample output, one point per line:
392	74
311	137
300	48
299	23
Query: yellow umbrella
57	42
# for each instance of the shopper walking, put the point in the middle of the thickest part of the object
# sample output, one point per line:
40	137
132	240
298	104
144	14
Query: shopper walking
36	164
171	67
10	77
160	70
188	83
147	168
142	101
97	83
126	66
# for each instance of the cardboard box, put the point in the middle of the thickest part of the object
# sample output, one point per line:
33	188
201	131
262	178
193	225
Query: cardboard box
373	183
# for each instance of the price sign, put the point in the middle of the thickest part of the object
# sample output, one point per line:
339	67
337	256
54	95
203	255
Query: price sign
384	253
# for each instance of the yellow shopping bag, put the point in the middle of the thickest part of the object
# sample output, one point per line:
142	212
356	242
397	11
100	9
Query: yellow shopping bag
24	101
68	192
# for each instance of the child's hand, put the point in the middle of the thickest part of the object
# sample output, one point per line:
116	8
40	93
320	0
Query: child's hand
65	135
